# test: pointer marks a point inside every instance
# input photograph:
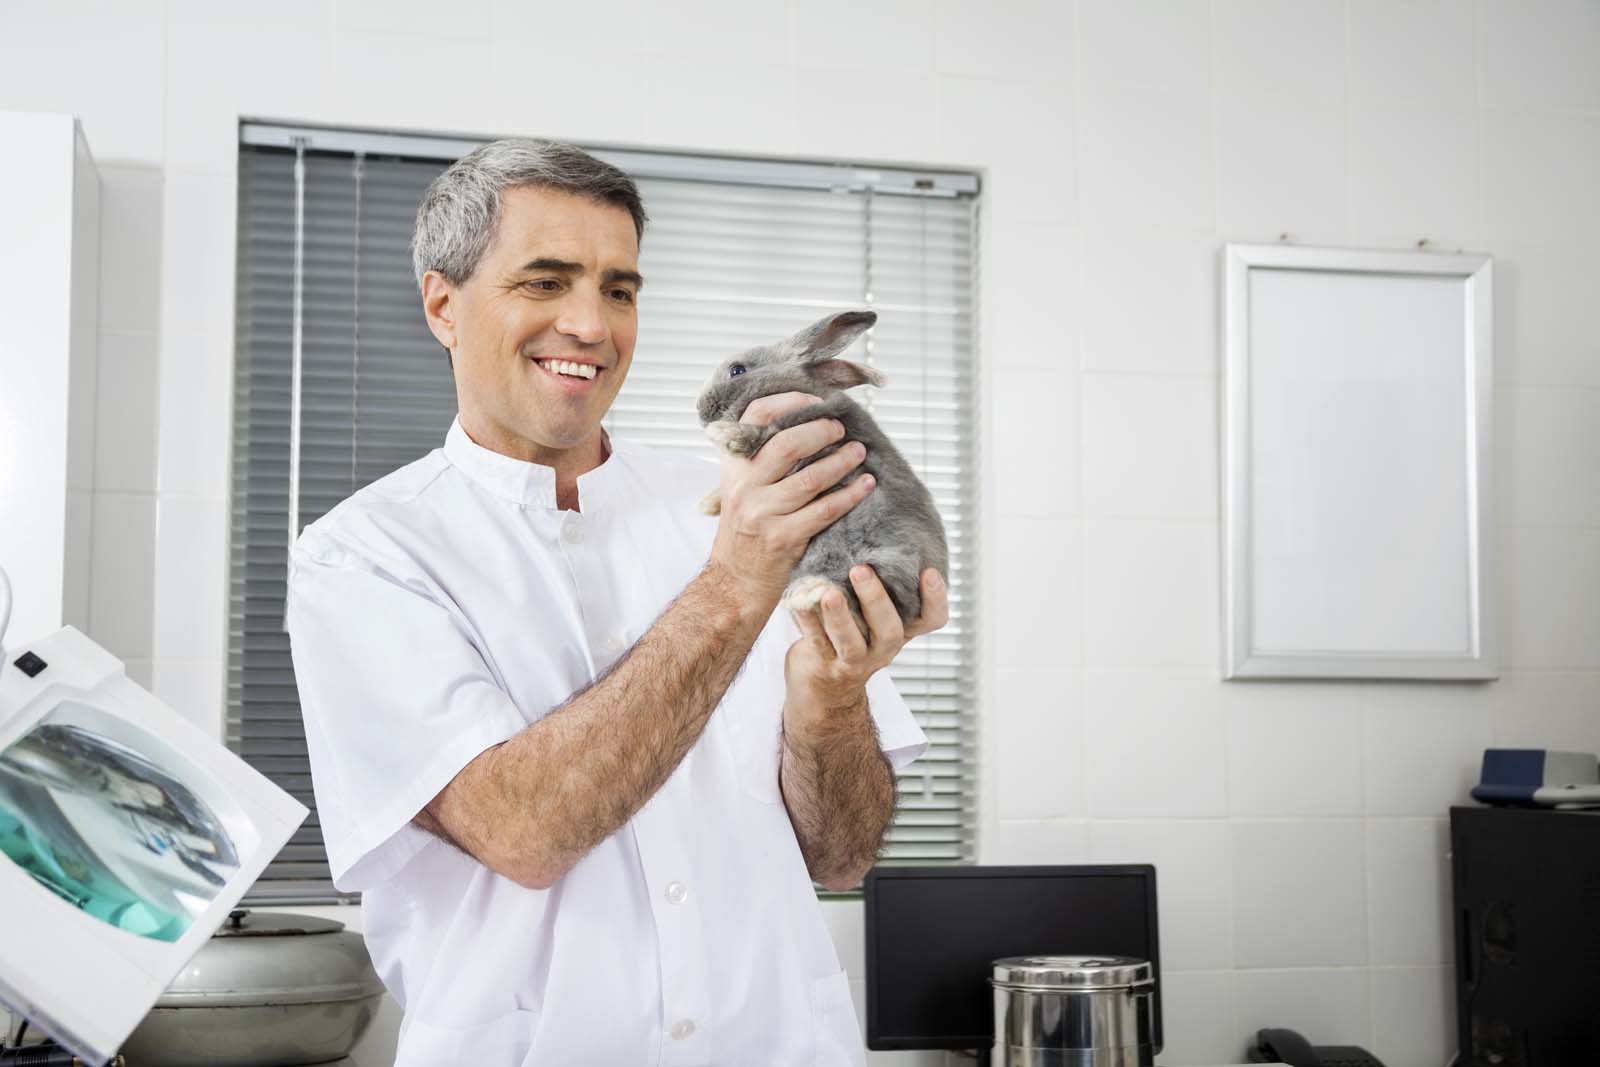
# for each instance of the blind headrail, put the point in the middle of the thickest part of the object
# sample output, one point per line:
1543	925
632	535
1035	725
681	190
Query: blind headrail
681	166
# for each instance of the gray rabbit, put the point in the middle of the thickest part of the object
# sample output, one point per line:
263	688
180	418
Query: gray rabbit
896	529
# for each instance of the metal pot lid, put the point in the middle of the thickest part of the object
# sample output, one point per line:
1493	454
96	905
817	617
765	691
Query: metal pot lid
1072	973
261	957
242	922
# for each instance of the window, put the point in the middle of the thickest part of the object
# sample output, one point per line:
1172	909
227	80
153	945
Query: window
738	253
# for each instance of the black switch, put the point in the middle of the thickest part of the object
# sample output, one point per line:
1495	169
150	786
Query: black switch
30	664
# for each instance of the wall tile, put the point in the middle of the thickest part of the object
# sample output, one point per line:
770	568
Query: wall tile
1025	39
194	689
1035	566
468	20
101	62
1546	709
891	35
1024	329
1149	446
1423	752
1413	1016
1150	593
1036	727
1414	176
1539	175
1408	885
1034	418
1165	44
1299	894
191	579
832	105
1194	884
1126	272
122	573
1153	744
1145	160
1540	55
1294	748
1026	138
217	72
1010	841
1327	1007
1549	438
1197	1017
130	248
1281	88
125	416
1550	617
1547	324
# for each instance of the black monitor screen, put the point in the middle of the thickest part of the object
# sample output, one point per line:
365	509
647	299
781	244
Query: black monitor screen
933	934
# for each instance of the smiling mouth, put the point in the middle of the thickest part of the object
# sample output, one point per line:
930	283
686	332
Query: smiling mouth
563	368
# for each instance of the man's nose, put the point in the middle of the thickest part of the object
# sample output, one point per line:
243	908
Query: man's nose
582	318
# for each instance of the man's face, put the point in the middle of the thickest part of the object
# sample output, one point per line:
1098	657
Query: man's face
560	282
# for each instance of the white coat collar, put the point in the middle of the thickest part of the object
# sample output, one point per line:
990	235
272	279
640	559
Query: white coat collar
521	482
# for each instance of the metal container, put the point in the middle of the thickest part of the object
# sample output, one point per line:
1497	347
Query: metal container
1072	1011
268	990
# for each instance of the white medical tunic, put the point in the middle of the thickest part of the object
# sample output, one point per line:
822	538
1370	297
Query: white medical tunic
444	608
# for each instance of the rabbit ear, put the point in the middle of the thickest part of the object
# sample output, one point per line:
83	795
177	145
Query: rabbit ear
842	374
828	337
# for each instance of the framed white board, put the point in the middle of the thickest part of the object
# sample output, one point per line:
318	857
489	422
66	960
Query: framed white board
1357	421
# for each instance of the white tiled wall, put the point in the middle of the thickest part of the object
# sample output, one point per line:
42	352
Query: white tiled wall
1298	827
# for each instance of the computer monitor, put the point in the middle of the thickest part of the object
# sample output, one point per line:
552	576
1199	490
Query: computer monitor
933	933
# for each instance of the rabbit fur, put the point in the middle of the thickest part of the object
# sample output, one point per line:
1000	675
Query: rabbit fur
896	529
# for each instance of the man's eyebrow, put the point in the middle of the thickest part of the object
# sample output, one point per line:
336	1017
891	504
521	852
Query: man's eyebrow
558	266
617	274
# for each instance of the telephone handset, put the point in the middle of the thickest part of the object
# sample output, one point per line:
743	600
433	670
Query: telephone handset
1286	1046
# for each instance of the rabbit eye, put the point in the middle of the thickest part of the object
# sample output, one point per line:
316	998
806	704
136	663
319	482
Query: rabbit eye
736	370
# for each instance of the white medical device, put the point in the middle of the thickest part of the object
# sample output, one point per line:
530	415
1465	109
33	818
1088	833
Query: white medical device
128	833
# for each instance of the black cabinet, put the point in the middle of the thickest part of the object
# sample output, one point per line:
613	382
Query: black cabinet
1526	888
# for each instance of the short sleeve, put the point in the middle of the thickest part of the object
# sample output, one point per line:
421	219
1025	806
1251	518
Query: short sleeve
901	739
396	700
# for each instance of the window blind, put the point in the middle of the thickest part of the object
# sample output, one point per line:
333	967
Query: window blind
738	253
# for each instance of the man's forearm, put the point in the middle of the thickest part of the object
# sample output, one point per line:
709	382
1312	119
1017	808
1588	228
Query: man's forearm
562	785
839	789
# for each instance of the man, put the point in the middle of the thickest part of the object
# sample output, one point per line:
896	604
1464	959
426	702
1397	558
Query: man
583	834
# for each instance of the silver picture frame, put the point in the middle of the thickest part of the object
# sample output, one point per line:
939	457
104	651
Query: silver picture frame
1357	483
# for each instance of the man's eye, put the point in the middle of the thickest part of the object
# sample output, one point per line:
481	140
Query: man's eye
736	370
545	285
624	295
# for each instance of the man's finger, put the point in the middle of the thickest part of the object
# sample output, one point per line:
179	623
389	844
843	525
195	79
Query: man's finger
763	409
811	627
826	509
935	605
803	486
841	627
788	447
882	618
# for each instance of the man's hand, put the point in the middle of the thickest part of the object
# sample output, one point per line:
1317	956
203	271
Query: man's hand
769	516
828	667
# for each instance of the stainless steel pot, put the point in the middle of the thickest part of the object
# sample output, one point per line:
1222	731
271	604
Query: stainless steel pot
268	990
1072	1011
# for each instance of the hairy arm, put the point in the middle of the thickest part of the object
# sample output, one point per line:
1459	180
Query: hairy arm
837	783
839	789
531	807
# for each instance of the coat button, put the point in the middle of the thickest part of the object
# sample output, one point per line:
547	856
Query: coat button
682	1028
571	533
677	892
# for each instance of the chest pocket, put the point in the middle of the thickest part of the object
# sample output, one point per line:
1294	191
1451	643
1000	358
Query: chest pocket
504	1039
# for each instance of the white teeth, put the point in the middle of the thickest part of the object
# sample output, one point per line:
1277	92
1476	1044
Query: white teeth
573	370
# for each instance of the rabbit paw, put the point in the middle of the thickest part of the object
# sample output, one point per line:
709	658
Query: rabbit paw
805	594
711	503
734	438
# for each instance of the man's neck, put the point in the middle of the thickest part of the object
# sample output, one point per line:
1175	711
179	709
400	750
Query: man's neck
567	463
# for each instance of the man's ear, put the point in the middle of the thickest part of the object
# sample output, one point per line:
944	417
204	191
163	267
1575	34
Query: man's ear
437	309
842	374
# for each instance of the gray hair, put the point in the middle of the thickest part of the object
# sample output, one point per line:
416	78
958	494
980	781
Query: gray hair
457	217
